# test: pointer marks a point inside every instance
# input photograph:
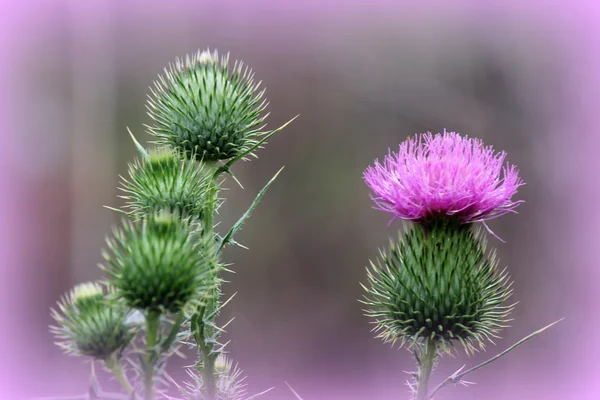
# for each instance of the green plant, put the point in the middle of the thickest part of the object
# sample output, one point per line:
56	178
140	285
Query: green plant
439	285
164	262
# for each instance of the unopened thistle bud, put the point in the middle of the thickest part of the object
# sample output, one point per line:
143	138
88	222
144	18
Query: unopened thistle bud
222	365
158	264
438	283
229	382
206	109
165	182
90	325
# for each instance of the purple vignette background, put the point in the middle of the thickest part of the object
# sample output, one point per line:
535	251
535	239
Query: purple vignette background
364	76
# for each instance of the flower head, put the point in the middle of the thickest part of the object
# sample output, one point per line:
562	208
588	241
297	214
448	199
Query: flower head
158	264
165	182
206	109
87	324
444	175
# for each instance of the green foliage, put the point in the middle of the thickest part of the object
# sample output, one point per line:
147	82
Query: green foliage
438	282
228	238
158	264
205	109
166	263
90	325
165	182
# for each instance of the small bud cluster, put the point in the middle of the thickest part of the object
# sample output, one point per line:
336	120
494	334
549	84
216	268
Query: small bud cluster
164	263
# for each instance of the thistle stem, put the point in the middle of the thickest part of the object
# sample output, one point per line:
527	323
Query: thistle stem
207	317
211	199
426	361
205	365
152	324
117	370
208	373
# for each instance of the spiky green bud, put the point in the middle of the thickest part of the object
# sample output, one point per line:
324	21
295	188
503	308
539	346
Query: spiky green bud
229	382
90	325
204	108
438	282
223	365
165	182
158	264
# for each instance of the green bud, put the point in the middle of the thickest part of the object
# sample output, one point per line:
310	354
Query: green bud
165	182
158	264
229	382
438	282
205	109
223	365
87	295
89	325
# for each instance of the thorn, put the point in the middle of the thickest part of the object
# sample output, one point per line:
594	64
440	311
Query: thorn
139	147
228	171
293	391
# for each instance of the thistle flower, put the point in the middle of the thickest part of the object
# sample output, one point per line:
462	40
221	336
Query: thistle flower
203	108
438	284
89	325
158	264
444	175
165	182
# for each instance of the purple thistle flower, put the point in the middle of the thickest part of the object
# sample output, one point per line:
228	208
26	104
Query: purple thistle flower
444	174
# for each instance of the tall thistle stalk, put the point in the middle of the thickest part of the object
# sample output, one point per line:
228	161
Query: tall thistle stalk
164	261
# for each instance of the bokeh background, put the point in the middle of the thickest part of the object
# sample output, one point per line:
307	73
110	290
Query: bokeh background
363	75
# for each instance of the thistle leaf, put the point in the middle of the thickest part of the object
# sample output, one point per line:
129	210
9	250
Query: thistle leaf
228	238
457	376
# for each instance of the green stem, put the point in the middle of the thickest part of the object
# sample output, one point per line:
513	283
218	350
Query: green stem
206	365
208	224
115	367
152	324
206	316
211	199
427	359
170	339
208	373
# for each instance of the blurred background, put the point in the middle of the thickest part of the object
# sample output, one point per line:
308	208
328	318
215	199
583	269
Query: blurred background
362	75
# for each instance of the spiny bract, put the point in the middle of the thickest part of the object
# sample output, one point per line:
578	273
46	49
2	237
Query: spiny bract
438	283
89	325
158	264
229	382
165	182
204	109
